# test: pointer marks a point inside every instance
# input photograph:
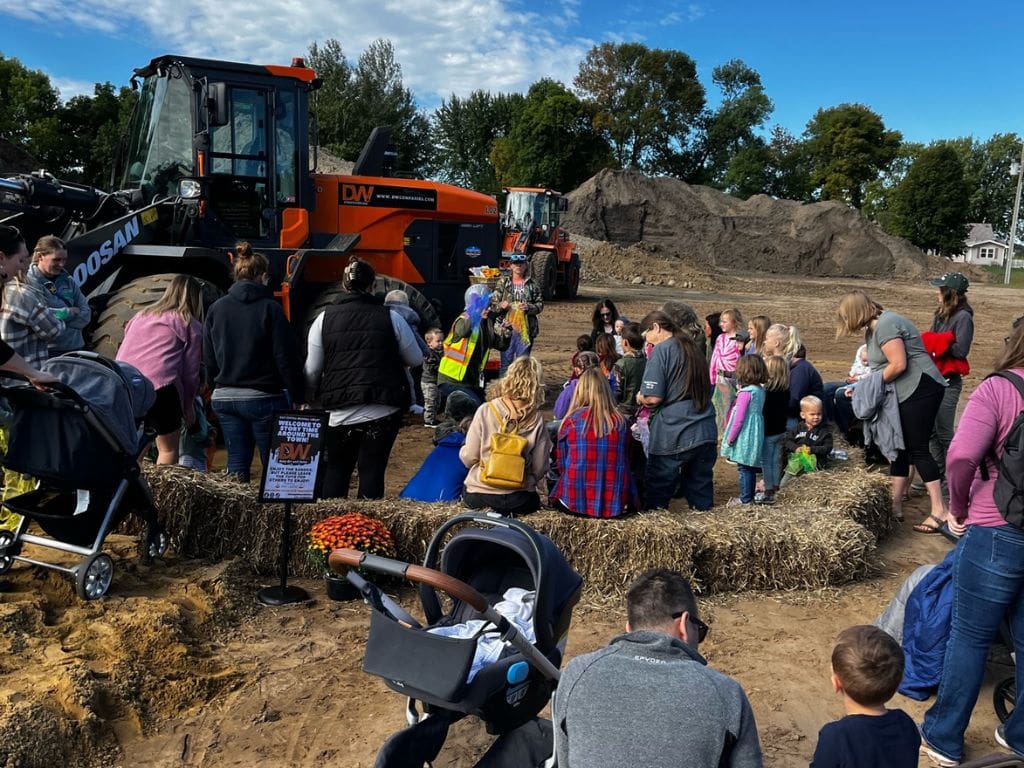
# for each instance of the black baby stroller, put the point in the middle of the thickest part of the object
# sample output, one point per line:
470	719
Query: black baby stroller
484	562
81	442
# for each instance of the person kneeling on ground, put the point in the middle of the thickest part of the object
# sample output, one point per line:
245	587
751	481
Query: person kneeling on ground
515	411
692	715
442	474
867	666
809	442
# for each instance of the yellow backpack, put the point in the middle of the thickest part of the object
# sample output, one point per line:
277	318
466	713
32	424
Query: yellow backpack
506	466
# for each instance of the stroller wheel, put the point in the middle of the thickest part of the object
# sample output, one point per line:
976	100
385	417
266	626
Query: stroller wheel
93	577
1003	698
6	559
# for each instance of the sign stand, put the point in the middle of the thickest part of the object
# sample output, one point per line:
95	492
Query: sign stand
292	474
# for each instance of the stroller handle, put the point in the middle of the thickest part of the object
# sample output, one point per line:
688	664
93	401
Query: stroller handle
56	387
460	590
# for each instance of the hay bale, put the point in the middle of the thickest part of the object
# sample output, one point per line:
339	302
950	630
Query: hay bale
799	543
778	548
854	492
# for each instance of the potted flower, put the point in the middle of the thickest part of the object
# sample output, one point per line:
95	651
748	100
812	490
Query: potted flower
349	531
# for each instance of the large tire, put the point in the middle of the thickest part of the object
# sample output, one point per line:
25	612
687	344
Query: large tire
330	295
107	332
545	272
571	286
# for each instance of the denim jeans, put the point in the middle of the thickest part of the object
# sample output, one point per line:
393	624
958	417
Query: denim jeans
771	461
842	409
245	425
748	481
942	432
988	583
693	470
828	399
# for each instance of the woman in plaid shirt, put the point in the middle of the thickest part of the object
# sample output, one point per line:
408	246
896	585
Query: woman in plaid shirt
593	454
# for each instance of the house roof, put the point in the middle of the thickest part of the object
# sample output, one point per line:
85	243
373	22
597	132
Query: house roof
982	233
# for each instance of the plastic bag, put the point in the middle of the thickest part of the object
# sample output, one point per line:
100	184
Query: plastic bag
641	430
801	461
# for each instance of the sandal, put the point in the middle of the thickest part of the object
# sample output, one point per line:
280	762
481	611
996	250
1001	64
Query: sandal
923	526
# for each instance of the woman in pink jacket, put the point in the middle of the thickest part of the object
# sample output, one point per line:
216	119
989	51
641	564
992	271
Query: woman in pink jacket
165	342
988	572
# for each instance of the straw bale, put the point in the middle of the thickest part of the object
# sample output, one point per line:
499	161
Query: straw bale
814	539
861	495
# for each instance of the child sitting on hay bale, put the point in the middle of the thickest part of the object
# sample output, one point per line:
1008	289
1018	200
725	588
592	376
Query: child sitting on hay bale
809	443
867	666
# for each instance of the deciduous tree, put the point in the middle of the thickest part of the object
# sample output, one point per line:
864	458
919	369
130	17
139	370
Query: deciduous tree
464	131
929	207
848	145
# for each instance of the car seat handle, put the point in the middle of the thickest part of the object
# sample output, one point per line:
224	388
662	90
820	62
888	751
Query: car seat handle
459	590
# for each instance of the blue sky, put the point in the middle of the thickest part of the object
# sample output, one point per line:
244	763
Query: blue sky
931	69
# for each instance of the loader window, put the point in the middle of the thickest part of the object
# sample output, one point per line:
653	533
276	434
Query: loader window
159	138
240	147
287	165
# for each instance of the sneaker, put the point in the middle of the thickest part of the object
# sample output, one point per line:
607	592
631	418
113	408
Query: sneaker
736	502
936	758
764	498
1002	742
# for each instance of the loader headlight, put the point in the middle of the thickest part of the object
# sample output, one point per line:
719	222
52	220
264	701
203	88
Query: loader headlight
189	189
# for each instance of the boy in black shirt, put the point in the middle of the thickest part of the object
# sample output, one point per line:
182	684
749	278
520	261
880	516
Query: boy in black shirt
811	434
867	666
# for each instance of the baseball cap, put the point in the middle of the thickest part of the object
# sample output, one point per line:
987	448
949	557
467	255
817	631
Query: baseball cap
953	280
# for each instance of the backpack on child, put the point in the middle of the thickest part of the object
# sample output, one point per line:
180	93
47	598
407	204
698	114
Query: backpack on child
506	466
1009	491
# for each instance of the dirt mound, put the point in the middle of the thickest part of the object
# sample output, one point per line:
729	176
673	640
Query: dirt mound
76	678
703	228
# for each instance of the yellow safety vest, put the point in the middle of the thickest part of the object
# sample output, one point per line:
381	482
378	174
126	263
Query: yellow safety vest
455	360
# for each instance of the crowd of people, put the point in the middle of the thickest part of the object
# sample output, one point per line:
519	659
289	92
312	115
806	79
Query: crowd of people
647	409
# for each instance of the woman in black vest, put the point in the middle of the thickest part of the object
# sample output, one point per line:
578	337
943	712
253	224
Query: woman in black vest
355	363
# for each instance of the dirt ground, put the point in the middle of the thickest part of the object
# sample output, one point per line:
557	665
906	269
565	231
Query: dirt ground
179	666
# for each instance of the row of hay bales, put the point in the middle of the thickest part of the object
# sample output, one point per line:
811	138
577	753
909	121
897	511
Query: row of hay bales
822	531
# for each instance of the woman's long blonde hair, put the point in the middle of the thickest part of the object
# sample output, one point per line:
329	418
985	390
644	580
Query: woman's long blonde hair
855	313
594	392
524	381
184	297
778	373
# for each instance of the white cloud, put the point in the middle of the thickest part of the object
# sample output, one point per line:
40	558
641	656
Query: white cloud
70	87
444	46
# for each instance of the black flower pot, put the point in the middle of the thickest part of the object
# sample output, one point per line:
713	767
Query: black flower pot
339	588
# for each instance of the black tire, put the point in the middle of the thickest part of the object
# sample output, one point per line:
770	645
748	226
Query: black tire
1003	698
93	576
330	295
107	332
7	556
570	287
545	272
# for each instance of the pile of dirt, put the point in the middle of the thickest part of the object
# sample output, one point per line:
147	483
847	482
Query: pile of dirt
686	227
328	163
14	159
77	678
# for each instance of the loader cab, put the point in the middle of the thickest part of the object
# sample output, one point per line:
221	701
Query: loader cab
226	142
539	210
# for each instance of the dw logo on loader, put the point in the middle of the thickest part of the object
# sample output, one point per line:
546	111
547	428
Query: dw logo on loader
356	194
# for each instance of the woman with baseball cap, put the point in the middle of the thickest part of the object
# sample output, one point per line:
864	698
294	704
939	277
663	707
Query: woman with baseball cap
949	343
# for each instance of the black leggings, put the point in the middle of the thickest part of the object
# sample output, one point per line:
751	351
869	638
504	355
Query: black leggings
917	418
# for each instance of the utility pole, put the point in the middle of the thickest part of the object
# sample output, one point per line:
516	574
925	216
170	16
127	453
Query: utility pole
1013	221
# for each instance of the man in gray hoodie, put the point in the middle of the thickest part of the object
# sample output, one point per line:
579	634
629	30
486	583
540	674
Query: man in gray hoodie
649	700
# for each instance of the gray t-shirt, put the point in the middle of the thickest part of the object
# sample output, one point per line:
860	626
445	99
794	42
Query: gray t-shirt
892	326
676	425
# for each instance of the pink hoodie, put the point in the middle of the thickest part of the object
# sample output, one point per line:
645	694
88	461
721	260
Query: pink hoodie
724	355
982	429
166	350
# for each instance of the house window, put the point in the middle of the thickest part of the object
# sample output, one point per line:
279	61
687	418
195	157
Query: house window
987	253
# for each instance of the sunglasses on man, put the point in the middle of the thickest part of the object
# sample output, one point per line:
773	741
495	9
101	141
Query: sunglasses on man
702	628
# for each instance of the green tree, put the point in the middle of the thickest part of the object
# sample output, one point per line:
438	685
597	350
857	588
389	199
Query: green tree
28	115
848	145
552	142
91	127
354	100
730	129
645	101
929	207
878	192
464	131
986	169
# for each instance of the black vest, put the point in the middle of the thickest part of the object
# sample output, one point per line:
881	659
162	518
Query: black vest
361	361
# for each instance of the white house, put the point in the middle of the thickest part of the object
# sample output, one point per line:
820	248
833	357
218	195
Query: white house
982	247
